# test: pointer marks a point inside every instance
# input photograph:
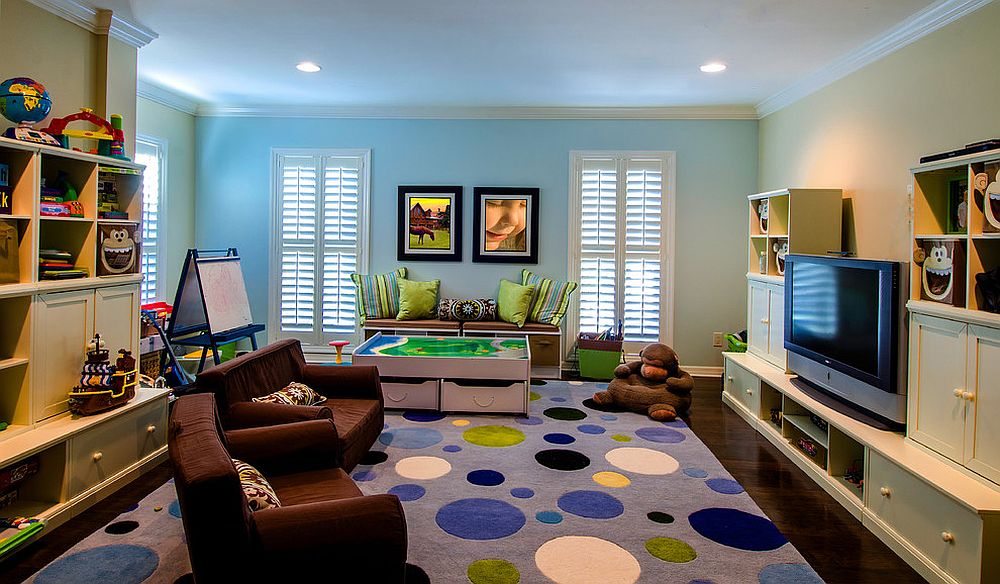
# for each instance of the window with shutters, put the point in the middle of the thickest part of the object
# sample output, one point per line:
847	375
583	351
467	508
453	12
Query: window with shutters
621	232
319	238
151	152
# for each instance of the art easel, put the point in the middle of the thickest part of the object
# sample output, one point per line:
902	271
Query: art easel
211	307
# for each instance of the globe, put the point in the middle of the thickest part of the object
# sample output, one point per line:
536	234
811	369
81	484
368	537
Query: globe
24	100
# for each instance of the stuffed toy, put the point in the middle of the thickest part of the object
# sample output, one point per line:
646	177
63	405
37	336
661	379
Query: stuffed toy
655	385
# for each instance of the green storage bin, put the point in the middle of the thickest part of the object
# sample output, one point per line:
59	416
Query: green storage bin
598	359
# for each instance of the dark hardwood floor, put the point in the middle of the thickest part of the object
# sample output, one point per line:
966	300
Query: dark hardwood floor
830	539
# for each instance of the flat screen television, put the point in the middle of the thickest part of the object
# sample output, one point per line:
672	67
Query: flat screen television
845	332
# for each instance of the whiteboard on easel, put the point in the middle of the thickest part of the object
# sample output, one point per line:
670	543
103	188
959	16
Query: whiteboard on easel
227	306
189	310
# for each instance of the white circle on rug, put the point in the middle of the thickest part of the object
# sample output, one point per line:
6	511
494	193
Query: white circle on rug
577	559
423	467
643	461
576	383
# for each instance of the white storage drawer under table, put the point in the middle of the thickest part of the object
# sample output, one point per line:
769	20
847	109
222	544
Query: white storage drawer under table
943	530
478	396
410	394
743	386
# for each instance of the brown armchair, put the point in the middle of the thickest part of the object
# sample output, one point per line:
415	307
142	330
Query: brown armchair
325	527
354	395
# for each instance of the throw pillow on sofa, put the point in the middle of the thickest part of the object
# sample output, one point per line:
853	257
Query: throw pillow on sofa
295	393
378	295
417	300
259	493
551	298
514	302
467	309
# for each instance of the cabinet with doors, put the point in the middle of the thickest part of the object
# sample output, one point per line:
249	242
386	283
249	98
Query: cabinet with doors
766	321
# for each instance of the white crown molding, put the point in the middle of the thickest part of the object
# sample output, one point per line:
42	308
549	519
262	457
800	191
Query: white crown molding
526	113
96	21
165	97
913	28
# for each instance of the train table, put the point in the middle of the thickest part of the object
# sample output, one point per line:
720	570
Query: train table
452	374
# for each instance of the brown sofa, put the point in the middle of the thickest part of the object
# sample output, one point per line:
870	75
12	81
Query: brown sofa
324	529
354	395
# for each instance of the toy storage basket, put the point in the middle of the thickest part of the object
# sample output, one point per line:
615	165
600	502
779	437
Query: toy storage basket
598	358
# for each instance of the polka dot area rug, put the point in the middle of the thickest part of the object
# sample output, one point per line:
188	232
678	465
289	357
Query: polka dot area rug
570	494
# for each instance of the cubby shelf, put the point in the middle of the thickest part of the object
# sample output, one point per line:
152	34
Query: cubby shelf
12	362
803	423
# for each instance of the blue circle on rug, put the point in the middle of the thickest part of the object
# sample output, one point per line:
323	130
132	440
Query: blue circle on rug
408	492
411	438
121	564
789	574
591	429
559	438
601	385
725	486
452	448
363	476
660	434
485	478
696	473
522	493
558	399
529	421
175	509
480	519
418	416
608	417
550	517
737	529
591	504
675	424
702	582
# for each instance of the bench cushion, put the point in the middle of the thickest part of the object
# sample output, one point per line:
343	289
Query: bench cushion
430	324
500	326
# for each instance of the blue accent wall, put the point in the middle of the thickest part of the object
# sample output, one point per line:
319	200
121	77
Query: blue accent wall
716	169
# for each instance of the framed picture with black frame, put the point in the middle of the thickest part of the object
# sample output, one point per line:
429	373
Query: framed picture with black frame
505	220
430	224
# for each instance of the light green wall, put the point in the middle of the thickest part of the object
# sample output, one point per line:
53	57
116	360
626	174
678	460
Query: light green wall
864	132
177	128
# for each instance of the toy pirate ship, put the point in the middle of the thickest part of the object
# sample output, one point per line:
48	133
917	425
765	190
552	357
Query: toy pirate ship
104	386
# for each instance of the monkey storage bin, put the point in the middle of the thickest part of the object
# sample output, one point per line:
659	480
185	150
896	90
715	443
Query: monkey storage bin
598	358
117	249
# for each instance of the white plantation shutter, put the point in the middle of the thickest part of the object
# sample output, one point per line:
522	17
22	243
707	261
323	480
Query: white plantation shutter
150	154
620	245
320	200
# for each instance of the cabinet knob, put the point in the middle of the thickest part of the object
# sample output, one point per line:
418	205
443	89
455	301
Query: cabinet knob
958	392
98	456
885	492
764	321
151	428
968	396
749	391
947	536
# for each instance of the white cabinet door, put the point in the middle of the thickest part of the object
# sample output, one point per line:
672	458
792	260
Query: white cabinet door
116	318
982	429
776	331
937	372
757	328
64	324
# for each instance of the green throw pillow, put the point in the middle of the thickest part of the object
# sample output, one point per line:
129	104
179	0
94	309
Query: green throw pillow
551	300
514	302
417	300
378	296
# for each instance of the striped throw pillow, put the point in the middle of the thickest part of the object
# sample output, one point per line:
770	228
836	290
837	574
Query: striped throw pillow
551	298
378	295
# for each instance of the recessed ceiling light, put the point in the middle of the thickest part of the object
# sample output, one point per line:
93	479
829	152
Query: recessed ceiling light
308	67
712	68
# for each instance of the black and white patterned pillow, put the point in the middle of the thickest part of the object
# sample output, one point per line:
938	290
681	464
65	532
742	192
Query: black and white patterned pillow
467	309
295	393
258	492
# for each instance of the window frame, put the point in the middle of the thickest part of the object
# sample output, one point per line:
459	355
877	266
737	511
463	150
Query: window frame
667	265
274	240
162	147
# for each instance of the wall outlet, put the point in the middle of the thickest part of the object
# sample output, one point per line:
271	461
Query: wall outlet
717	339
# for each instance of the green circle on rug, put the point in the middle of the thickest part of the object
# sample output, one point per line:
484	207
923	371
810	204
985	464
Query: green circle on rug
493	436
669	549
493	572
621	438
534	396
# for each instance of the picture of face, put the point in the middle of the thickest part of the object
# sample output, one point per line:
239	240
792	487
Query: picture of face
505	220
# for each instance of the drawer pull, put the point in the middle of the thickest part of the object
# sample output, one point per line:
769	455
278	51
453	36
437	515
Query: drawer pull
885	492
389	395
98	456
493	398
947	537
968	396
959	393
151	428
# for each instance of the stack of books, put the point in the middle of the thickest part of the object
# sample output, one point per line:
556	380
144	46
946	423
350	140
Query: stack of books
56	264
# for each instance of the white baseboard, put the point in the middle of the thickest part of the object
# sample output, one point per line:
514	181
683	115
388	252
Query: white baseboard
703	370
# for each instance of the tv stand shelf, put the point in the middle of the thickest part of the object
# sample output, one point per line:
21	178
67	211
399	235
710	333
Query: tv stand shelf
940	518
